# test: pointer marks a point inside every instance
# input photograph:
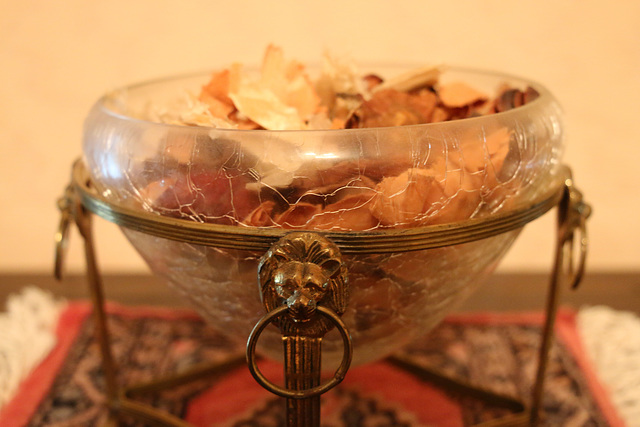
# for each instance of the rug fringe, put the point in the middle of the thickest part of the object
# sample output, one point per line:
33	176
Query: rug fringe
27	335
612	341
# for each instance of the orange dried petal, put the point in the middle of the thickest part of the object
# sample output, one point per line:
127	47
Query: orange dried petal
403	200
393	108
459	94
350	213
217	108
371	81
298	215
413	80
289	81
216	95
261	216
439	115
462	192
218	87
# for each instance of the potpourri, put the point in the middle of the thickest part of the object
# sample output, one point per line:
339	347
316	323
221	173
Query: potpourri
345	194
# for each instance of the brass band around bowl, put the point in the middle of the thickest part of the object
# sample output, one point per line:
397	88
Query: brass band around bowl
81	200
299	394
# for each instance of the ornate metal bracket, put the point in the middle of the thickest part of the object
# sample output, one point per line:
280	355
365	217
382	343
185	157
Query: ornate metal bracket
572	217
303	285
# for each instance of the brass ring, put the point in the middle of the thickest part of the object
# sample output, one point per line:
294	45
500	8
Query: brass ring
583	241
298	394
62	234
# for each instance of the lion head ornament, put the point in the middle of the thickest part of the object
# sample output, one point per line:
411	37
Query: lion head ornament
303	270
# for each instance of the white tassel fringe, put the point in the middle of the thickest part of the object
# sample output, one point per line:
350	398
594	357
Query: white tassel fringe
612	341
27	335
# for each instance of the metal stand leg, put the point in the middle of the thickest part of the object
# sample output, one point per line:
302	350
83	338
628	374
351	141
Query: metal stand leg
303	287
299	272
572	215
117	399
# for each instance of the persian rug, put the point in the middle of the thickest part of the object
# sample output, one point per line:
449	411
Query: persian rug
495	351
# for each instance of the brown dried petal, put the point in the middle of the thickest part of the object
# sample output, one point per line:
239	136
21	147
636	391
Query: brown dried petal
509	99
216	95
440	115
462	193
403	200
289	82
298	215
350	213
442	194
346	173
486	163
487	156
412	80
530	94
392	108
217	108
261	216
371	81
459	94
343	109
218	87
243	122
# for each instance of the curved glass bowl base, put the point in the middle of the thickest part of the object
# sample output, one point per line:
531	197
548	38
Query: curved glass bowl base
394	298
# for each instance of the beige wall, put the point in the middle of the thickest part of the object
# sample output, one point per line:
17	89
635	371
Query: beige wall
58	57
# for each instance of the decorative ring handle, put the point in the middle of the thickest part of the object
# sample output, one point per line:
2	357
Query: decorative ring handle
65	206
298	394
575	214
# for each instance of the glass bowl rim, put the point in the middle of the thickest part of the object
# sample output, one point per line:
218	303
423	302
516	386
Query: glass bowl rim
545	97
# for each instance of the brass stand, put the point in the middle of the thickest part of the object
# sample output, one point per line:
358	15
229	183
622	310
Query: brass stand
306	317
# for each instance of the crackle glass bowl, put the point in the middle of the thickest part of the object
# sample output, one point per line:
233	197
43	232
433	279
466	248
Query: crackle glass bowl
356	181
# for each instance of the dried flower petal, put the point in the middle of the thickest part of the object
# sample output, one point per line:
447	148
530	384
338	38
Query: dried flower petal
204	196
261	216
458	94
216	95
384	188
264	108
298	215
412	80
339	78
403	200
392	108
283	97
289	81
440	115
530	94
462	192
372	81
350	213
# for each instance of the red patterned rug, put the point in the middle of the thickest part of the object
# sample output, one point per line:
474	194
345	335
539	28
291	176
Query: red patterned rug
494	351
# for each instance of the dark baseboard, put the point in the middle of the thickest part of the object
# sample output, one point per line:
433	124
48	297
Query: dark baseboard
502	292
